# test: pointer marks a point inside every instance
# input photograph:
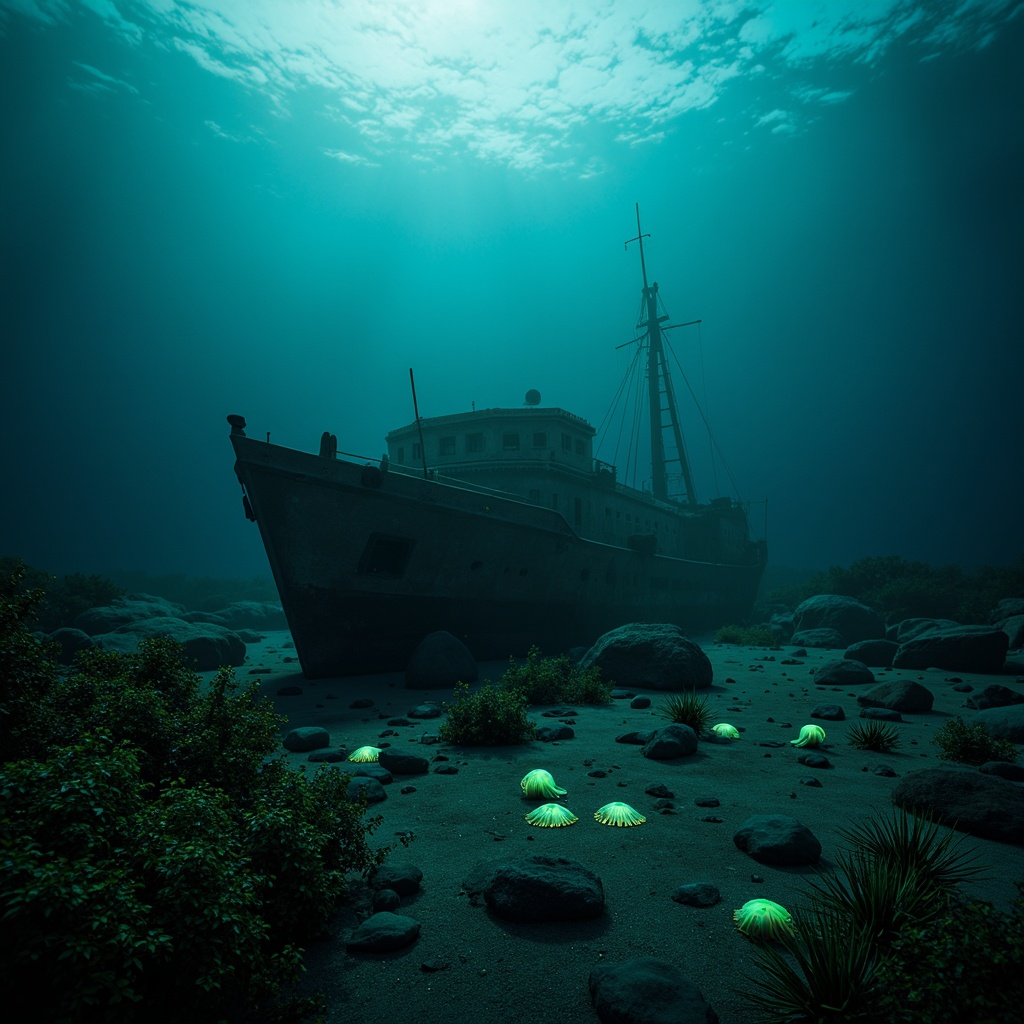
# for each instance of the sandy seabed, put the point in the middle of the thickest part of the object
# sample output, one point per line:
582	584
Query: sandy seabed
496	971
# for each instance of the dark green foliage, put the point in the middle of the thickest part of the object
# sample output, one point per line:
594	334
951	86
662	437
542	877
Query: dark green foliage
157	862
555	681
916	848
853	948
63	599
972	743
898	589
489	716
967	965
747	636
873	735
687	708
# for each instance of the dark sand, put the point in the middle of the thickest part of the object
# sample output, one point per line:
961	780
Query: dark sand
500	972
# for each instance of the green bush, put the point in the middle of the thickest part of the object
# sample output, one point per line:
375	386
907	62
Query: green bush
972	743
158	861
489	716
64	599
747	636
687	708
555	681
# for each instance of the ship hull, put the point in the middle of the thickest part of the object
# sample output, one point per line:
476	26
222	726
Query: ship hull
367	563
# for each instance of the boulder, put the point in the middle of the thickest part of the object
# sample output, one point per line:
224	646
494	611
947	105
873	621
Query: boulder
1013	627
828	712
852	619
874	653
843	672
257	615
384	932
207	646
956	648
697	894
402	877
544	888
362	787
981	805
403	764
439	662
134	608
821	639
994	696
656	656
1006	722
675	740
898	695
907	629
1007	608
777	839
70	641
647	991
307	737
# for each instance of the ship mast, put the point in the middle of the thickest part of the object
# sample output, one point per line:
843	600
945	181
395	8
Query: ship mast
659	383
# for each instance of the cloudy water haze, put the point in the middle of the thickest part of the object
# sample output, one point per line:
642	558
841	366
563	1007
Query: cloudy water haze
276	209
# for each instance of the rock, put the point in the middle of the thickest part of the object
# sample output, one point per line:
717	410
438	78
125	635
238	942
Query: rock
401	876
822	639
639	703
123	610
362	787
257	615
70	641
874	653
428	710
828	713
675	740
881	714
647	991
980	805
851	619
777	839
384	932
206	646
843	672
386	899
898	695
809	780
1006	722
697	894
403	764
439	662
1007	608
814	761
994	696
1004	769
907	629
958	649
1013	627
308	737
636	738
327	756
658	656
550	733
370	770
544	888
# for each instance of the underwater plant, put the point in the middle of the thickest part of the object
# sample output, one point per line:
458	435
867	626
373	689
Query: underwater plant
762	919
972	743
747	636
540	784
874	735
810	736
490	716
617	813
551	816
687	708
555	681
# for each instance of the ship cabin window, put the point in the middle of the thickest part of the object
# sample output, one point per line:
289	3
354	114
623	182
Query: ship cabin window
384	556
417	451
580	449
566	442
400	455
533	497
447	445
540	439
475	442
510	442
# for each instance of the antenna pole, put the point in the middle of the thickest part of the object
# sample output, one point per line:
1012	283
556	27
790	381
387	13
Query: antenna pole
419	426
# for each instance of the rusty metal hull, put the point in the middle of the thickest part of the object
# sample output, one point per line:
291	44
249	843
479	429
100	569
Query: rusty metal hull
367	563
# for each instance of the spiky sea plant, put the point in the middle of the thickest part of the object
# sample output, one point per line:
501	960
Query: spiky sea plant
874	735
687	708
823	973
914	846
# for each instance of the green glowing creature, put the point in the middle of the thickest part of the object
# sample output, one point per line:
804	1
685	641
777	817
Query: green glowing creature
541	785
617	813
551	816
810	736
365	754
726	731
762	919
